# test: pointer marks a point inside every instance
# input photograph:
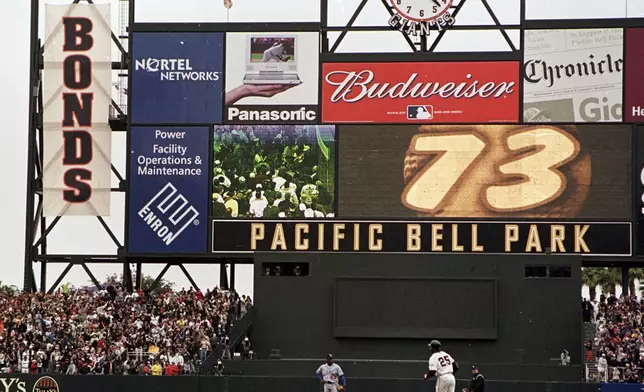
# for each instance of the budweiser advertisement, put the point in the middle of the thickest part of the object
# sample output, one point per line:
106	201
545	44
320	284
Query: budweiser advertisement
634	77
438	92
573	76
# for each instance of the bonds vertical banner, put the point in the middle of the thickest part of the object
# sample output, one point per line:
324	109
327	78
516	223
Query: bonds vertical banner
177	78
77	94
168	190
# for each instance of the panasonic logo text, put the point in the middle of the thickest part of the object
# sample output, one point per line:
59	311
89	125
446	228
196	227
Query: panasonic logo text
301	114
168	214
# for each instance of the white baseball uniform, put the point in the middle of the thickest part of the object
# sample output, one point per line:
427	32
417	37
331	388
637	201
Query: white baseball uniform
274	53
442	363
331	376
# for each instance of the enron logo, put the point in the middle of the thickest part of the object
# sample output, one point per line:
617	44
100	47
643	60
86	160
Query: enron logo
77	110
491	171
168	213
46	384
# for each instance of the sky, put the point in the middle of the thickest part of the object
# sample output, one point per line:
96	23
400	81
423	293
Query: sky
83	234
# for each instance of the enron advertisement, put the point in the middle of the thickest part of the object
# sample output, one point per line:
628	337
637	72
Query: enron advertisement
634	77
420	92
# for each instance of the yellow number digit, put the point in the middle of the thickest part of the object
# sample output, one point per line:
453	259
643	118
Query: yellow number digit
456	153
539	181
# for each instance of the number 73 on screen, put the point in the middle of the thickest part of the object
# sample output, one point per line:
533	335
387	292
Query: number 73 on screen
506	172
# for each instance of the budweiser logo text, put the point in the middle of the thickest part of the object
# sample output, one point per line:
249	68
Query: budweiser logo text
354	86
537	71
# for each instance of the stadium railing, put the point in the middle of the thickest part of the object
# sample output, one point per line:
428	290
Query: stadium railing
592	373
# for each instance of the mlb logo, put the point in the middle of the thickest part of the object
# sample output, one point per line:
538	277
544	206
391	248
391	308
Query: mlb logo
420	112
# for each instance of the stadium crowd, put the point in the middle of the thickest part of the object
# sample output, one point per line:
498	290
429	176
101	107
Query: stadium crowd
114	332
618	345
273	172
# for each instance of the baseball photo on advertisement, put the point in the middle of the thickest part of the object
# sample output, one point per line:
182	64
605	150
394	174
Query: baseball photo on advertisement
485	171
278	171
573	75
416	92
272	78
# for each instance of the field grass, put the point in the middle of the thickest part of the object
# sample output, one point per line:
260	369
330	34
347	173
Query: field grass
256	56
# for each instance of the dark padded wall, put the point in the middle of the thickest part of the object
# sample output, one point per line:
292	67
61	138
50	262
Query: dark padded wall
463	308
536	318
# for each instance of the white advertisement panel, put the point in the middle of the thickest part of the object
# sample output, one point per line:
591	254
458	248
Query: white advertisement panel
573	75
76	94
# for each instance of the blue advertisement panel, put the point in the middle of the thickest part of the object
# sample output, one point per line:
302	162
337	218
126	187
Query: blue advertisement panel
622	388
169	183
177	78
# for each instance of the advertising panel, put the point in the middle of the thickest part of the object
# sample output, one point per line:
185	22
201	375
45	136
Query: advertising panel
169	182
634	77
177	78
77	145
441	92
272	78
573	75
596	238
274	171
485	171
639	197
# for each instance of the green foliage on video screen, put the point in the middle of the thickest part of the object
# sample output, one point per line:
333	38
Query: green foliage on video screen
290	167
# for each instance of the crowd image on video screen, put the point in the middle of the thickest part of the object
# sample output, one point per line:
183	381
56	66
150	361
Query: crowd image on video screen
278	171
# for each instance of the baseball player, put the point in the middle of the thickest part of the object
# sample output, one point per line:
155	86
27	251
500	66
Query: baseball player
277	52
443	366
331	376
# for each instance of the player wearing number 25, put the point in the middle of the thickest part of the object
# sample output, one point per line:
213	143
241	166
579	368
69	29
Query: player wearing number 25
443	366
496	171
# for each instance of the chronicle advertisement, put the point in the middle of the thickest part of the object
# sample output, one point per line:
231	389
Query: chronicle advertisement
573	75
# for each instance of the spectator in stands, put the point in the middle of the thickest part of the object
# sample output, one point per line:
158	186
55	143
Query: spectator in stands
110	331
586	310
246	348
219	368
602	365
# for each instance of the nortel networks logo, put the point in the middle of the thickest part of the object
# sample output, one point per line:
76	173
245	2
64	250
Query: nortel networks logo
168	214
175	70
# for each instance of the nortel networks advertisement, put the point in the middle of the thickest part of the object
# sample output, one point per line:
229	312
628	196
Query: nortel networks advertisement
177	78
272	78
169	182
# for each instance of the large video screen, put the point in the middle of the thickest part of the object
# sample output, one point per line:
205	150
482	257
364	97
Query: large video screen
485	171
278	171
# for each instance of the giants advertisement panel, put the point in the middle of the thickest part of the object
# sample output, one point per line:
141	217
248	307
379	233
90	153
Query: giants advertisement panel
274	171
596	239
457	92
486	171
573	75
169	183
272	78
77	145
634	76
177	78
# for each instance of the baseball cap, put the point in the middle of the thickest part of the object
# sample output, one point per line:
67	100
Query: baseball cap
474	367
329	356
